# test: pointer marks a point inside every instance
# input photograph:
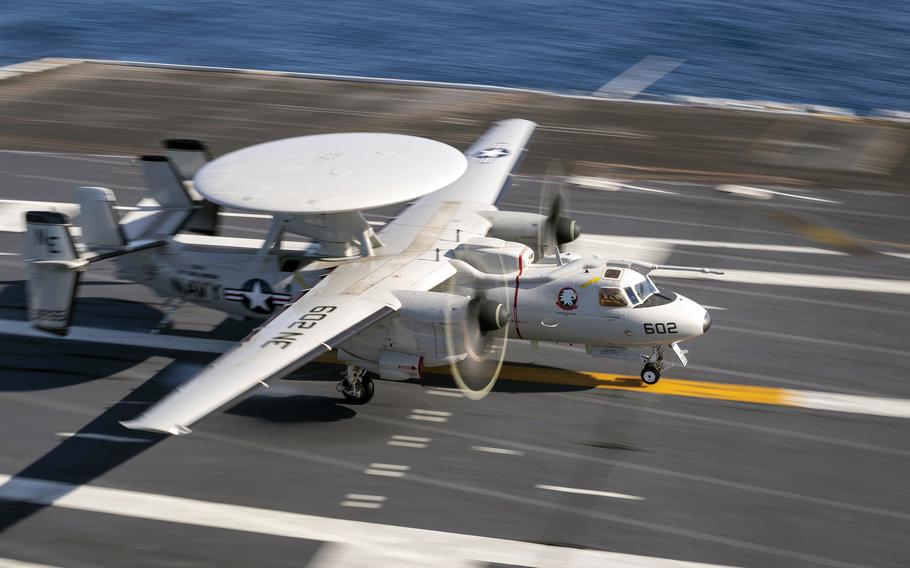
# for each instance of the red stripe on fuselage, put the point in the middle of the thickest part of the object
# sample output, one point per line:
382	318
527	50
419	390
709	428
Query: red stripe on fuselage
515	300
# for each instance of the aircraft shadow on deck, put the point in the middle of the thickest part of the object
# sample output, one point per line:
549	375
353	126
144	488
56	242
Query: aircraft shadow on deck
293	408
563	380
97	448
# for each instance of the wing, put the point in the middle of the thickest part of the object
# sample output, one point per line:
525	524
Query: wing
491	161
306	329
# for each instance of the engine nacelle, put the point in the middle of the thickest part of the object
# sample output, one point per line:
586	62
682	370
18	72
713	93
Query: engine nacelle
494	256
528	228
430	328
395	366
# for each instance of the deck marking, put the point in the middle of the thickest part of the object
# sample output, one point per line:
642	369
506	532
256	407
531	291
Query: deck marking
411	438
363	501
361	504
363	497
10	563
390	466
590	492
428	418
384	472
445	392
401	444
492	450
649	189
408	441
431	412
372	536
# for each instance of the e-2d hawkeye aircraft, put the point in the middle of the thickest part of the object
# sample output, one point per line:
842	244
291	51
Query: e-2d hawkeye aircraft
441	284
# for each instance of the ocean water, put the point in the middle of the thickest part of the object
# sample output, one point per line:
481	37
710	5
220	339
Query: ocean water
840	53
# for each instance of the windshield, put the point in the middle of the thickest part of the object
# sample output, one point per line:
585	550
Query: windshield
645	288
632	296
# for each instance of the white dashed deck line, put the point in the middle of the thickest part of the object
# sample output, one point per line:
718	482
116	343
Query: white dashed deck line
364	497
590	492
361	504
429	415
102	437
390	466
387	469
408	441
649	189
437	547
504	451
405	444
363	501
384	472
431	412
713	307
428	418
411	438
445	392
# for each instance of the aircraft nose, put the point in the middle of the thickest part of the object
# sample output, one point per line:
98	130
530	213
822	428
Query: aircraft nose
707	324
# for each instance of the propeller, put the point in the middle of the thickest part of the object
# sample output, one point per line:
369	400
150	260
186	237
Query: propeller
477	333
557	229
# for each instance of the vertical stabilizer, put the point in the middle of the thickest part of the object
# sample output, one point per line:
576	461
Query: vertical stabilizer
99	222
188	156
168	205
54	267
163	182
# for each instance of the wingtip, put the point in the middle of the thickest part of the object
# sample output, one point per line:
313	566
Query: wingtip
173	429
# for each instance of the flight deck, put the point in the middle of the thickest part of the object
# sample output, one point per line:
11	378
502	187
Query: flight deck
782	443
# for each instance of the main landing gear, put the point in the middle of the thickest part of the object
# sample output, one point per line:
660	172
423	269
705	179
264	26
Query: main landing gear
356	385
654	366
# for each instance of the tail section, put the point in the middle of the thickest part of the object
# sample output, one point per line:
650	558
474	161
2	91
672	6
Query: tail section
54	268
55	261
188	156
99	222
168	205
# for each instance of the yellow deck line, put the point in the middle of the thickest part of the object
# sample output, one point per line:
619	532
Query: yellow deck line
666	386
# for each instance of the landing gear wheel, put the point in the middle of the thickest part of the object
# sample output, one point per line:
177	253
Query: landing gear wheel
650	375
361	392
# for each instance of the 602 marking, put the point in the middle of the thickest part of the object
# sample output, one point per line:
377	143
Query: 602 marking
652	328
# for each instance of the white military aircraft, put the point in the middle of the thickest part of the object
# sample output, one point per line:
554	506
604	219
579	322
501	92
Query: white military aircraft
444	283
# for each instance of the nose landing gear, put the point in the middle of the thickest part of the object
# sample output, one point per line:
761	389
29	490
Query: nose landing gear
356	385
650	374
654	366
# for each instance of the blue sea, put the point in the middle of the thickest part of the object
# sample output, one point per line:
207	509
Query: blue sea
840	52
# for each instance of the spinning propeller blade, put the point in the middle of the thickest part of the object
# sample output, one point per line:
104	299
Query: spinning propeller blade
557	230
477	337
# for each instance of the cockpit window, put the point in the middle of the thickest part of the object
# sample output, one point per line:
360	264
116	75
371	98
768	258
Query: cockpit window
612	297
645	288
631	293
612	273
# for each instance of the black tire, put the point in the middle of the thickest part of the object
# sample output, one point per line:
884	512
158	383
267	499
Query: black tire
367	389
650	375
